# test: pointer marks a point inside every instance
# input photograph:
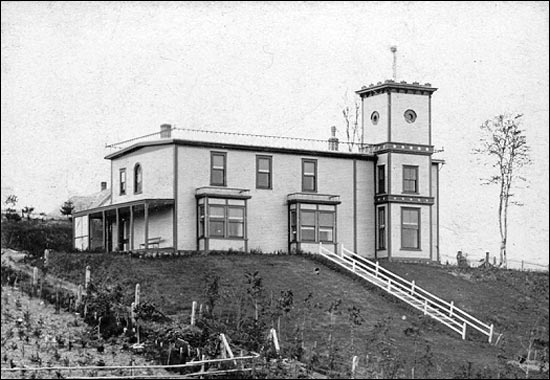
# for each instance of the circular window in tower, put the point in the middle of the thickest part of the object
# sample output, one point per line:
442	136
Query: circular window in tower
410	116
374	117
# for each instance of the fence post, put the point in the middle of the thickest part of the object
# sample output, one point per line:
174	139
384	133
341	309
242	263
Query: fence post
491	329
78	296
46	257
464	331
193	308
87	276
451	310
353	266
412	287
320	247
34	277
341	250
137	296
376	269
425	306
275	340
353	366
133	314
389	284
522	265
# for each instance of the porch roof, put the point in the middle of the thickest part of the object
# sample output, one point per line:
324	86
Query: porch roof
150	201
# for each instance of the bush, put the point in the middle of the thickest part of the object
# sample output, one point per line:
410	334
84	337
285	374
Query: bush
34	236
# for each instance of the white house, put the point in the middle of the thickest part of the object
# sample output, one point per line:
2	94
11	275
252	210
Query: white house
187	190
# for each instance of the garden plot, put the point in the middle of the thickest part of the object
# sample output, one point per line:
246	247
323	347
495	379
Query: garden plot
34	334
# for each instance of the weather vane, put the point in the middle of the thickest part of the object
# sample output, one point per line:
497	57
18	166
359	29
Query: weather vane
393	49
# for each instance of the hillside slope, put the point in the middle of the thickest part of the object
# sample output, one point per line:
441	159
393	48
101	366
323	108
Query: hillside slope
516	302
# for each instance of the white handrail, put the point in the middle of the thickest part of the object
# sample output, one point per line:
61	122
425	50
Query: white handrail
399	296
407	290
464	315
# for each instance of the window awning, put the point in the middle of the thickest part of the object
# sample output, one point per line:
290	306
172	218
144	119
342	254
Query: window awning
151	202
313	198
222	192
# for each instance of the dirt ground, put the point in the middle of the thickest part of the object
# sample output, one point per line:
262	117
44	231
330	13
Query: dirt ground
35	335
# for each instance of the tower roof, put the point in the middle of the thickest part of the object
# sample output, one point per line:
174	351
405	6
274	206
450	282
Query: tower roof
392	86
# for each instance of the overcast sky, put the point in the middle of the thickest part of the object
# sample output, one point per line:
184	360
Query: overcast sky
76	76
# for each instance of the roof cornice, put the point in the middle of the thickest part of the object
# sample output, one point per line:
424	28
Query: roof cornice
392	86
254	148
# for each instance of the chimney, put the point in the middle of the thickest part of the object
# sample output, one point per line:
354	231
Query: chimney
333	140
165	131
103	186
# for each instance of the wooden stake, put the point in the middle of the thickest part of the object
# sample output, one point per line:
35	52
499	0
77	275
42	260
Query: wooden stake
275	340
87	276
193	309
99	328
169	353
34	276
46	257
133	313
353	366
137	296
79	296
227	348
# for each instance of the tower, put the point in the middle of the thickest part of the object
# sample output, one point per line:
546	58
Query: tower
397	123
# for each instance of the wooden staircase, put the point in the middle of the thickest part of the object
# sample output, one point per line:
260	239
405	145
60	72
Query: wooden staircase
407	291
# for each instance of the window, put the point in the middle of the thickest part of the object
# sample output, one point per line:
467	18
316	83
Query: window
221	218
381	179
137	179
217	169
123	181
263	172
410	116
307	225
316	223
410	232
309	175
381	228
410	179
374	117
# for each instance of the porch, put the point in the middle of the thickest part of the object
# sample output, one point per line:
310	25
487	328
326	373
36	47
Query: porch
139	225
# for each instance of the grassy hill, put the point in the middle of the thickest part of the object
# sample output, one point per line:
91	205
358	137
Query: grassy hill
392	336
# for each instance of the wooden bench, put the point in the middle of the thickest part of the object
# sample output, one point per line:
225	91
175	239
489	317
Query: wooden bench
152	242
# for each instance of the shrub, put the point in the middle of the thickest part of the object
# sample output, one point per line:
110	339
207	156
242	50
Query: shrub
34	236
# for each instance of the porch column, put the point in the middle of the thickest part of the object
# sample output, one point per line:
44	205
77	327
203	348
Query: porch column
131	228
73	222
117	235
146	215
104	231
89	232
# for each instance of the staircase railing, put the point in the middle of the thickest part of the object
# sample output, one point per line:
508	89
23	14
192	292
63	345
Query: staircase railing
445	312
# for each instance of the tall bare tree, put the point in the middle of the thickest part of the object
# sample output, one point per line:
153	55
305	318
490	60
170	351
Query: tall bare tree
352	123
504	142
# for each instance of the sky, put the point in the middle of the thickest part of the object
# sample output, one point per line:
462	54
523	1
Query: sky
79	75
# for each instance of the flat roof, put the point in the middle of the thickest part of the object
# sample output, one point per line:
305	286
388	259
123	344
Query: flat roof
234	146
391	85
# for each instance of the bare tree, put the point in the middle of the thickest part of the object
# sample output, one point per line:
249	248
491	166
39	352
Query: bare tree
352	123
505	143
